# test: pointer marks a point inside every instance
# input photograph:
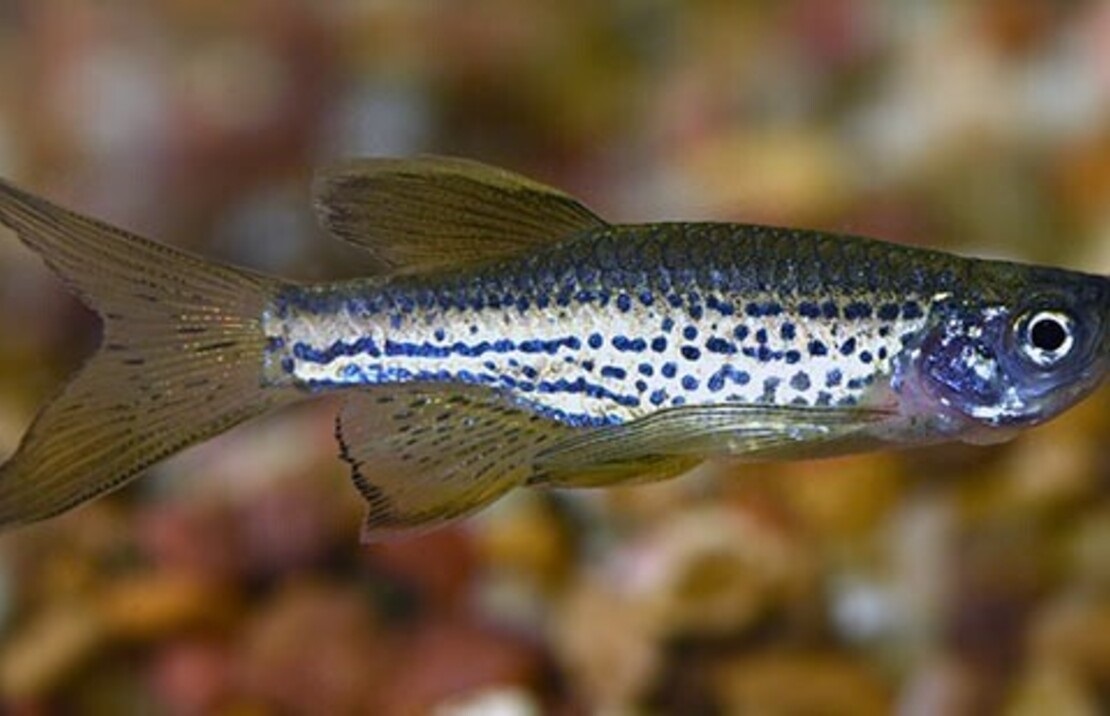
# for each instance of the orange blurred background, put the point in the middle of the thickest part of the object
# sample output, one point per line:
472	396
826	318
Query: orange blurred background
954	580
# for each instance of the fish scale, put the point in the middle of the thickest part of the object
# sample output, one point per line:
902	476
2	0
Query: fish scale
687	314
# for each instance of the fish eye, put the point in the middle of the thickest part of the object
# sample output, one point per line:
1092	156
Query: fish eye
1047	337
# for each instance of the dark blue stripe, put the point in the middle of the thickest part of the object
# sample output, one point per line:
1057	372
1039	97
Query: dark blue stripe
367	346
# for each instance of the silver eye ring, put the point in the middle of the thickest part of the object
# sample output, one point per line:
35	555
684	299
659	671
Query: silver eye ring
1048	337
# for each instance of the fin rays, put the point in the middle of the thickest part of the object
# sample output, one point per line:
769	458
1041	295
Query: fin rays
179	360
424	455
420	213
670	441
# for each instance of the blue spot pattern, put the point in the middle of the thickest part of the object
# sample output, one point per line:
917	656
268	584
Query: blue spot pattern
738	320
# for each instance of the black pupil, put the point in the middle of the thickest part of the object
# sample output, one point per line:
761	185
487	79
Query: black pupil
1048	335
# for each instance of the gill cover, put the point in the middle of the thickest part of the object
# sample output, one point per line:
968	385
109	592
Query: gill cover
1019	363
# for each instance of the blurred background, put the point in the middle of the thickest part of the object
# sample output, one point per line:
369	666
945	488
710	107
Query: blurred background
956	580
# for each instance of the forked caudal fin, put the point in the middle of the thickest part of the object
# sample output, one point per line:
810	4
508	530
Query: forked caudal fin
179	360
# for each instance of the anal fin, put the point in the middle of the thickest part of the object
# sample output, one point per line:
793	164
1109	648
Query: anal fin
425	455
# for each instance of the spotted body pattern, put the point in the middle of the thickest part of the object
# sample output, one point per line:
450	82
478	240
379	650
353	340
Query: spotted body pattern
617	323
517	339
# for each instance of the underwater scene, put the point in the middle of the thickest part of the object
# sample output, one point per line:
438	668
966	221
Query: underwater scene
920	523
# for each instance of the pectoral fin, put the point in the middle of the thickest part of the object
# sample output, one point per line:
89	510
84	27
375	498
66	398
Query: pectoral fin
415	214
672	441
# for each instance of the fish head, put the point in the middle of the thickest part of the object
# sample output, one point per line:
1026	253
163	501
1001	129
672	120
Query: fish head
1016	355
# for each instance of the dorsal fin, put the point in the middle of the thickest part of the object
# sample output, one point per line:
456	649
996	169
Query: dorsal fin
418	213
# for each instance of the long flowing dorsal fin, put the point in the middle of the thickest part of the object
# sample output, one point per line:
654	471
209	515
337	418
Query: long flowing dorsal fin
666	443
424	455
417	213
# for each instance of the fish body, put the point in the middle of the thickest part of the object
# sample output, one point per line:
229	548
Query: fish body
523	340
617	323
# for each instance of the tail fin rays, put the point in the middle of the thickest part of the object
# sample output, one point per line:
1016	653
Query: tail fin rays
179	360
